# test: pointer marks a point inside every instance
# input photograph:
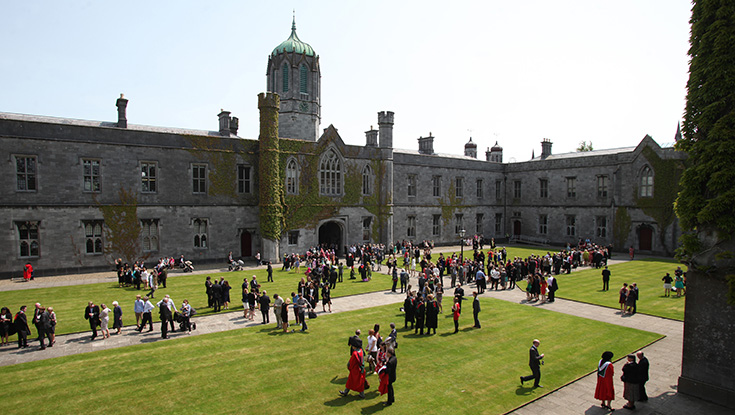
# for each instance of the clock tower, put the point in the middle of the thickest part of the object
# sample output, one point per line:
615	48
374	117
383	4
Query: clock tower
293	73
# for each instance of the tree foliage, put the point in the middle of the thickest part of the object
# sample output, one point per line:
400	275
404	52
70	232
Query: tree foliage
584	146
122	228
707	197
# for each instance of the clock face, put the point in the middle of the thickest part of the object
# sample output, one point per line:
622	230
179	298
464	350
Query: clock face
304	107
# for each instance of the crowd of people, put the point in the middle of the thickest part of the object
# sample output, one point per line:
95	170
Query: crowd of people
381	360
43	318
634	377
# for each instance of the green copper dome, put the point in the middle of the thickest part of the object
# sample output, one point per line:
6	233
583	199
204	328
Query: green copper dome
294	44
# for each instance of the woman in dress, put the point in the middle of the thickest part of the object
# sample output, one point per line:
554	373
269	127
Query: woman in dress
117	317
623	296
104	321
543	285
6	319
439	296
251	305
679	284
326	297
667	284
455	314
605	391
226	294
51	327
529	287
284	314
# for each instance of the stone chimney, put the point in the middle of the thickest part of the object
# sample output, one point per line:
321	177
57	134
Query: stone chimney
385	124
227	125
371	137
545	148
426	144
122	106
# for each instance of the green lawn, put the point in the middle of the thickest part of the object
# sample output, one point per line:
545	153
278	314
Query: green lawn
260	370
586	285
69	302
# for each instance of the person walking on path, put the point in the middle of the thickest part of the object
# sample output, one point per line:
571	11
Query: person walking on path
138	310
117	314
147	316
643	376
605	279
356	378
104	321
92	313
534	361
605	390
631	383
476	310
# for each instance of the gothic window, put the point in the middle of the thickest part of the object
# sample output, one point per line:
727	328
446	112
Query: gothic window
543	222
436	186
367	178
28	239
303	78
292	177
436	225
411	185
544	188
458	223
330	174
293	237
244	179
479	218
571	225
199	178
601	186
601	227
150	235
149	176
647	182
411	227
25	169
91	174
571	187
366	226
498	223
93	237
285	78
200	233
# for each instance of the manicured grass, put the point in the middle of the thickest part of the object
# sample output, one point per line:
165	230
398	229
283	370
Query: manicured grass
69	302
586	285
260	370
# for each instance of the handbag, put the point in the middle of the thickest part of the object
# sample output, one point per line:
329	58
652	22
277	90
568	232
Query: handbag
312	314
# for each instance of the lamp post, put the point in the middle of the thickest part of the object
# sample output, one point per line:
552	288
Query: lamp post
461	245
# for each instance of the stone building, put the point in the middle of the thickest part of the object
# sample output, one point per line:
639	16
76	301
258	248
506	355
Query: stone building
86	192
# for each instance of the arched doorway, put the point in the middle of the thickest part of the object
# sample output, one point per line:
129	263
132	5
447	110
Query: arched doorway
246	244
330	234
645	238
516	228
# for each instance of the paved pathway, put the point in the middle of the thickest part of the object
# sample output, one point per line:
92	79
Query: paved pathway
577	397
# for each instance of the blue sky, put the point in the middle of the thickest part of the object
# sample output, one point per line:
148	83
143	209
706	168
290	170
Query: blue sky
512	72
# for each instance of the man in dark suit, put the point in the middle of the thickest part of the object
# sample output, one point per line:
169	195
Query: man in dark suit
642	375
216	296
37	312
21	327
391	365
553	286
210	296
534	361
92	313
265	306
270	272
605	279
476	309
165	314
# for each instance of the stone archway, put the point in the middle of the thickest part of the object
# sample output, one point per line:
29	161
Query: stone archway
330	234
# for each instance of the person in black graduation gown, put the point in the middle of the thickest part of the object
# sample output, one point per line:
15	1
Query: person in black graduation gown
21	327
420	315
165	314
408	308
432	314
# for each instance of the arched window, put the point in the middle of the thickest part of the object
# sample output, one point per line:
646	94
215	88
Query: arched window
367	181
200	233
647	182
330	174
292	176
285	77
303	79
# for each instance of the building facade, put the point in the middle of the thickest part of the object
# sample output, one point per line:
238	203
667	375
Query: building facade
87	192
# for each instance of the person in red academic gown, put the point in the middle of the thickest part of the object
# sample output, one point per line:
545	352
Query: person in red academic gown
356	379
605	391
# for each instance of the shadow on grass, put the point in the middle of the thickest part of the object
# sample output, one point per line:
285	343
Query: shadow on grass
524	391
339	381
379	406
